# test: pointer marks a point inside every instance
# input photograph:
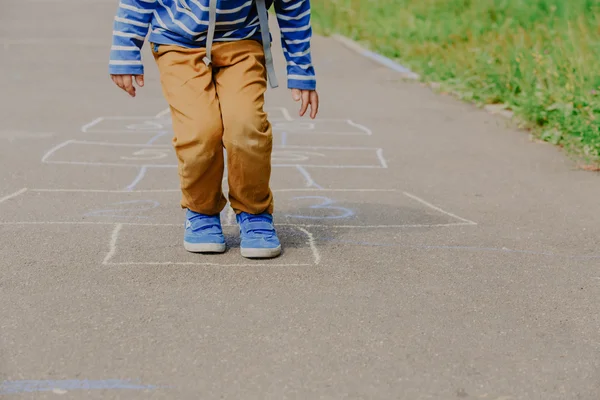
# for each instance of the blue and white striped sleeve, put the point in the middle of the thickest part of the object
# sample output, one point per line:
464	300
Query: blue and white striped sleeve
293	17
130	28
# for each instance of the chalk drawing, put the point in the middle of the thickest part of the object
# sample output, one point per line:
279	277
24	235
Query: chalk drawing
138	178
325	204
309	180
55	149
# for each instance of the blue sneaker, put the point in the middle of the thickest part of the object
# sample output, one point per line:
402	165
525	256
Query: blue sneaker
203	233
259	239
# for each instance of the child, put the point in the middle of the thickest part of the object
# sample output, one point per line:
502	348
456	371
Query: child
214	58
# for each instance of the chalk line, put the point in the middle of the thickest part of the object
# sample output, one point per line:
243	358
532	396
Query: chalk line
164	112
56	148
178	190
94	143
313	246
137	179
234	225
309	180
329	166
420	200
104	191
101	164
296	147
166	263
156	137
359	126
85	128
112	245
13	195
380	155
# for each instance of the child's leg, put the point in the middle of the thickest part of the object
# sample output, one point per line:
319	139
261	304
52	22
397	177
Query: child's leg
241	84
189	89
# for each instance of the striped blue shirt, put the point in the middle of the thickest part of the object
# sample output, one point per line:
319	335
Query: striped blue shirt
170	22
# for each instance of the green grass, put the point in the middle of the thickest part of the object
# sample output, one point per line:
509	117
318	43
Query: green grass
541	58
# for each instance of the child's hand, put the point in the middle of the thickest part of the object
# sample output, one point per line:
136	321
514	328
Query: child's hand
308	97
125	82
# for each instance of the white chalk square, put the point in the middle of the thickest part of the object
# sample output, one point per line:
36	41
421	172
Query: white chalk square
360	208
111	154
163	245
294	207
321	126
147	125
78	152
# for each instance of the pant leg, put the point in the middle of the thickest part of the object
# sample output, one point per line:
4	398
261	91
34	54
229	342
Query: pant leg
198	131
241	82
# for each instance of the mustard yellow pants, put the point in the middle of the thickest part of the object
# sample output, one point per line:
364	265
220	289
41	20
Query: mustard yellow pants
215	107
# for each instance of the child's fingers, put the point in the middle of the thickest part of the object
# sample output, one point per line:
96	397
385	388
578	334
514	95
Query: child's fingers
128	85
305	101
140	80
118	80
314	104
296	94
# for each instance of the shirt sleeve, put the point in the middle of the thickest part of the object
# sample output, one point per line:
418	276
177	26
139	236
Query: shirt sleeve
293	17
130	28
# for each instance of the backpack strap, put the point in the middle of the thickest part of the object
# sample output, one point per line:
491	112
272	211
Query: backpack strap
263	18
212	22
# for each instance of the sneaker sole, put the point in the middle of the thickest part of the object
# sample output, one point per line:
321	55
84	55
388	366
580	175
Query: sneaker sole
205	247
261	253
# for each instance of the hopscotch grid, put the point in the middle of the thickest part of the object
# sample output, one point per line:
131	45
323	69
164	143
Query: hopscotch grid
159	146
235	225
463	222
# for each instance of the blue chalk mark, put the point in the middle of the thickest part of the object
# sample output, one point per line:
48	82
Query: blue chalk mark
325	205
471	248
138	178
309	180
284	136
155	138
30	386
